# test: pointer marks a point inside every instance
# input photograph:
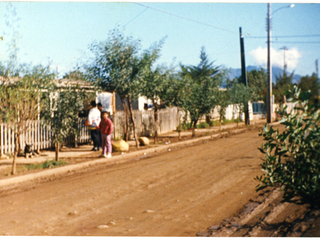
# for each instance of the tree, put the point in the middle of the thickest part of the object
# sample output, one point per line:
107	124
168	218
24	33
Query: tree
240	95
76	75
201	86
117	67
62	107
282	86
292	157
21	101
3	70
153	82
174	94
310	84
12	22
257	81
114	67
257	84
223	102
153	86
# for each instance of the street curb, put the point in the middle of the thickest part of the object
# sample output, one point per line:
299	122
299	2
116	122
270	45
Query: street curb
51	174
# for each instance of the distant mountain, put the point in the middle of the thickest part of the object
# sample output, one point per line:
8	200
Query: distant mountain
276	71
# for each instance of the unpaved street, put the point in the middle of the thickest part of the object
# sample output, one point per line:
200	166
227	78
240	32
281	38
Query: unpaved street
178	193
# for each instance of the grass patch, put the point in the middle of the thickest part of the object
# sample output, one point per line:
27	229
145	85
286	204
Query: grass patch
214	123
46	164
203	125
232	121
183	127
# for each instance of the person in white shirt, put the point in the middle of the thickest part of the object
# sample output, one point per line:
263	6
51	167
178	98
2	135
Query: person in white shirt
94	119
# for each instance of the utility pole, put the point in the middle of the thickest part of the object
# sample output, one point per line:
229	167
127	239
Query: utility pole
317	69
244	73
284	60
269	69
317	72
269	65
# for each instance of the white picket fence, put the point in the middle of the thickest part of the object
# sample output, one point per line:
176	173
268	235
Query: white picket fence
39	135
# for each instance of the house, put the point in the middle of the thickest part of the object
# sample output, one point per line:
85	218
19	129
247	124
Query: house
111	102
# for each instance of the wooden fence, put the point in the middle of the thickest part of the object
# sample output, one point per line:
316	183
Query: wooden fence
168	120
39	135
41	138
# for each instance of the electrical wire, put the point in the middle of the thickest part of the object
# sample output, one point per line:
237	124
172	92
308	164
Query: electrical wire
294	42
294	36
206	24
136	16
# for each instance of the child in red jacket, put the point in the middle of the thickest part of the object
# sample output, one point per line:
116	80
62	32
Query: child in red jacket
106	127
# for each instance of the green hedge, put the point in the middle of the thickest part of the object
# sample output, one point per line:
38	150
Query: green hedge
292	158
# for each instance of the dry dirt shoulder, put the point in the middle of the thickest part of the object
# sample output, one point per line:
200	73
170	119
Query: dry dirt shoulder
267	216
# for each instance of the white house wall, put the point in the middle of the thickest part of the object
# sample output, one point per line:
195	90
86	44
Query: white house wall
142	101
105	98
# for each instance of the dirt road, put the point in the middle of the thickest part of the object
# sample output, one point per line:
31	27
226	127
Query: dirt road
178	193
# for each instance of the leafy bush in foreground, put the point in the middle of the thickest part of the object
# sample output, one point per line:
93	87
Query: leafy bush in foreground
292	158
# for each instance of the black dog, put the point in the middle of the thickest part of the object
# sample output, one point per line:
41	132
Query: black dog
28	152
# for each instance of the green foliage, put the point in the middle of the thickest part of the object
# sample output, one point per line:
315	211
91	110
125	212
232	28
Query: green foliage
20	91
76	74
226	121
257	82
201	85
62	106
310	84
292	158
214	123
154	83
184	126
63	101
222	101
240	95
203	125
12	33
282	86
21	99
118	66
46	164
152	80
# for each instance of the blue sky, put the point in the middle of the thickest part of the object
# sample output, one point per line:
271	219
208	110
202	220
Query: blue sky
60	33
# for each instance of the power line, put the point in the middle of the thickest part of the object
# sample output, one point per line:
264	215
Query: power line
296	42
293	36
206	24
136	16
298	36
